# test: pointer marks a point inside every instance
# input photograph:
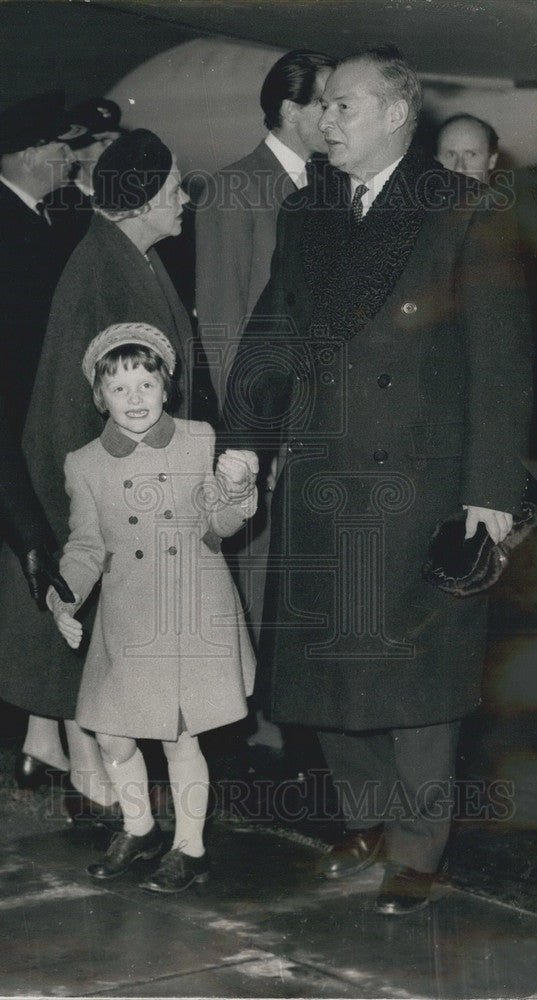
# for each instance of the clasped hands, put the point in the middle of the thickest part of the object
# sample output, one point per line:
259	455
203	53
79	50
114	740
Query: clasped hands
236	474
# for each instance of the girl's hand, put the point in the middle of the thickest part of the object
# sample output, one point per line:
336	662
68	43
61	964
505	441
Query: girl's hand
70	628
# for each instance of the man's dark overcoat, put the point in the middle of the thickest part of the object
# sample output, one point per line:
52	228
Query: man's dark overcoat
107	280
31	261
395	358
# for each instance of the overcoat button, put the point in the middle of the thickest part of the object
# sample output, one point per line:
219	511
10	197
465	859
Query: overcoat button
172	550
327	378
127	484
380	456
133	519
384	380
168	514
162	477
291	298
139	554
409	308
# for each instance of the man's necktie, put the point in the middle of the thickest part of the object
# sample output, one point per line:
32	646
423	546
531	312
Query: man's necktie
41	208
310	171
357	209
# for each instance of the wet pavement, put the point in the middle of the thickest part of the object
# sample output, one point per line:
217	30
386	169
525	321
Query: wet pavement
264	925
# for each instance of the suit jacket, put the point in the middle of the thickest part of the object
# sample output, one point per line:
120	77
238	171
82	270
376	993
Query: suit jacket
235	238
31	261
395	358
169	632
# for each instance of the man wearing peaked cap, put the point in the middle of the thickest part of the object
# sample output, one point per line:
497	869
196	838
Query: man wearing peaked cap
36	121
113	276
92	125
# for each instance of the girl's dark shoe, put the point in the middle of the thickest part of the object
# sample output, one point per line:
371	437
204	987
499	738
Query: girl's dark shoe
176	872
125	849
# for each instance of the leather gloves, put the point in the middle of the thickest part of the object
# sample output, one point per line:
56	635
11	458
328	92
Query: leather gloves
41	570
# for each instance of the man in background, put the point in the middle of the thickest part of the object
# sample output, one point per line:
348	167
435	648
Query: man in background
468	145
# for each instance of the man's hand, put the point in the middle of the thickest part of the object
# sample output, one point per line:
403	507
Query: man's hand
41	570
497	522
236	473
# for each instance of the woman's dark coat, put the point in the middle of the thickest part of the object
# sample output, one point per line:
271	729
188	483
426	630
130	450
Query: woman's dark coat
395	360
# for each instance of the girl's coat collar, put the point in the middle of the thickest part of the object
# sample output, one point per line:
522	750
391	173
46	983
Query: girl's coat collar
119	445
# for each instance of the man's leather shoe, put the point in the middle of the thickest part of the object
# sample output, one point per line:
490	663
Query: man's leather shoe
176	872
356	852
403	890
31	773
84	812
125	848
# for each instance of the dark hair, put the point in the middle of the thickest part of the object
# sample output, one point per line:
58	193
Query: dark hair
401	81
491	133
292	78
132	356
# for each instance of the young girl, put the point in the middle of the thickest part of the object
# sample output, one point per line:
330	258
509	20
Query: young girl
169	655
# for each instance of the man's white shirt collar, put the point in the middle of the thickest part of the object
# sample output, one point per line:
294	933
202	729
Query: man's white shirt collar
292	163
28	199
374	185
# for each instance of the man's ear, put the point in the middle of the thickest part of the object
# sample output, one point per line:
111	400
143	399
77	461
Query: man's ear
398	114
288	110
28	157
493	159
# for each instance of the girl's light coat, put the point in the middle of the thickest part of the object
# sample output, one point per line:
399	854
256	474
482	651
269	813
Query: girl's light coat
169	639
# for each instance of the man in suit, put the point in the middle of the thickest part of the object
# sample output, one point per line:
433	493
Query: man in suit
34	162
236	216
391	350
468	145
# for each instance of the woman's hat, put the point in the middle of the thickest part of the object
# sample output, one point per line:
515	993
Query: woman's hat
131	171
127	333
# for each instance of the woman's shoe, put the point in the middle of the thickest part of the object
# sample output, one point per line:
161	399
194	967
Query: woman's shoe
124	850
176	872
31	773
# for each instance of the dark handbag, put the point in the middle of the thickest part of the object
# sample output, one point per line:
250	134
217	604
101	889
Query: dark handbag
463	567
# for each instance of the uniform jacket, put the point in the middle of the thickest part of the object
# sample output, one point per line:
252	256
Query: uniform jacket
106	280
169	633
235	238
394	357
31	261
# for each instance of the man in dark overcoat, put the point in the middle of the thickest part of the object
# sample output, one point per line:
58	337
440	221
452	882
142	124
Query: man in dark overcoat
114	275
34	161
391	351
